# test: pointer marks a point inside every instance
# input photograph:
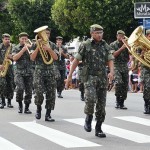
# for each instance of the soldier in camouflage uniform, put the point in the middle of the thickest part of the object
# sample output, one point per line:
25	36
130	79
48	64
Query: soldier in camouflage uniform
23	73
60	65
146	83
81	84
95	54
44	80
7	82
121	55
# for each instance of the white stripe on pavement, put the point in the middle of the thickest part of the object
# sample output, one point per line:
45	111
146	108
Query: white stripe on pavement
123	133
55	136
135	119
7	145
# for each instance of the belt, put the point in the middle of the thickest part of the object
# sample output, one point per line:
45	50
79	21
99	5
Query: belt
44	67
95	72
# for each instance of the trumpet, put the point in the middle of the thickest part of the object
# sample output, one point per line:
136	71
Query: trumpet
28	42
60	50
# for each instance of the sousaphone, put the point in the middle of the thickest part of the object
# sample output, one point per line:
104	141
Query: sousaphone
137	40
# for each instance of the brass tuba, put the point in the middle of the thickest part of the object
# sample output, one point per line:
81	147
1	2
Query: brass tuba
6	62
138	40
44	41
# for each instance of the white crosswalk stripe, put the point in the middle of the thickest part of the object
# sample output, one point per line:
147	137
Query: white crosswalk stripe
69	141
135	119
123	133
7	145
55	136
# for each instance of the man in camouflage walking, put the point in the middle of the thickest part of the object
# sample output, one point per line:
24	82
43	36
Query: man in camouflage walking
61	65
121	55
44	80
146	83
95	55
6	82
24	73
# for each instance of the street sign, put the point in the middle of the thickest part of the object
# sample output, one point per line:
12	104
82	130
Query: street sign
147	23
142	10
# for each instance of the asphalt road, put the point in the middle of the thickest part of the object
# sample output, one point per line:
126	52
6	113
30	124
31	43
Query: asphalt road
125	129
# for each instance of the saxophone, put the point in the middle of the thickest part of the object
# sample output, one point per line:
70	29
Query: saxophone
6	62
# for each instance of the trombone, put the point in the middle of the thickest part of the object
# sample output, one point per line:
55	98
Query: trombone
28	42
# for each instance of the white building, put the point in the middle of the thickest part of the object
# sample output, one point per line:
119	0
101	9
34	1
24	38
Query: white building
73	46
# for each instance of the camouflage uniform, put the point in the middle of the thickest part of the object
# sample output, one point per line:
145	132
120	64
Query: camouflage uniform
61	67
121	73
44	82
146	84
7	82
81	84
94	57
23	76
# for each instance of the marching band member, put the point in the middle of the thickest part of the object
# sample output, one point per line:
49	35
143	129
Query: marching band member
23	74
44	78
121	55
6	81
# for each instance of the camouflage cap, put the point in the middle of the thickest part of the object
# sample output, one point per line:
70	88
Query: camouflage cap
59	37
5	35
23	34
120	32
95	27
147	31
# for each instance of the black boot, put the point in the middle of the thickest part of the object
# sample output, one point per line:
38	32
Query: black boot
146	108
9	103
88	121
98	130
48	116
59	95
122	104
3	103
20	107
82	96
38	112
117	102
26	110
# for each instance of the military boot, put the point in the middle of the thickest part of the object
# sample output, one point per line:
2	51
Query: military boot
26	110
9	103
146	108
48	116
82	96
88	121
59	95
117	102
38	112
20	107
122	104
3	103
98	130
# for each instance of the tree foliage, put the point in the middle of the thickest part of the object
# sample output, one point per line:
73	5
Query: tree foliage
31	14
77	16
72	17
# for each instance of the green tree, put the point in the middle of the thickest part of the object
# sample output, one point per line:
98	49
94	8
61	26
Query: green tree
77	16
6	24
28	15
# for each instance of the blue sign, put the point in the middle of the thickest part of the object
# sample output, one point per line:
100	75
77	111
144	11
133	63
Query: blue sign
144	22
147	23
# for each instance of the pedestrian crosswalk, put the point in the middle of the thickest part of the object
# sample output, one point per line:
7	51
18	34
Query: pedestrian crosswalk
55	136
7	145
123	133
66	140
